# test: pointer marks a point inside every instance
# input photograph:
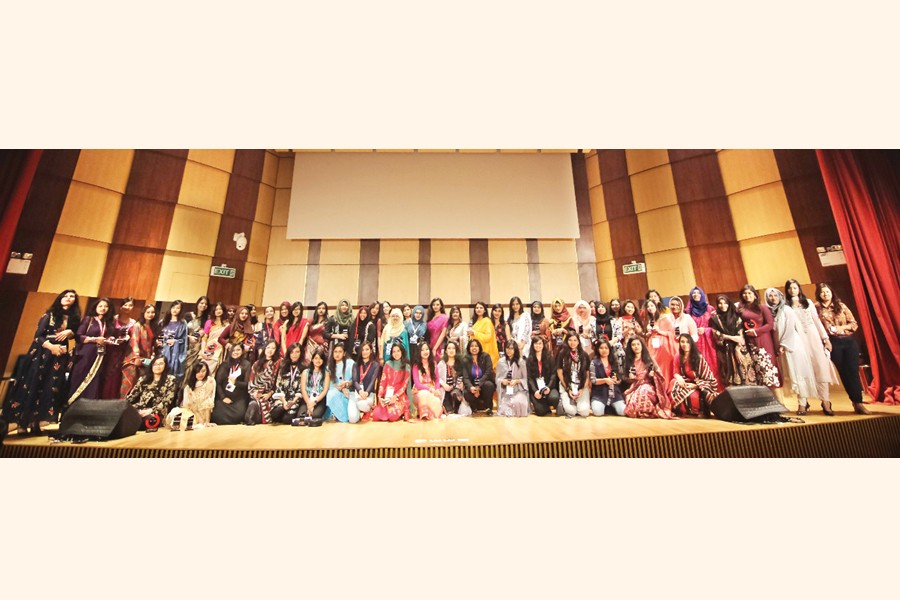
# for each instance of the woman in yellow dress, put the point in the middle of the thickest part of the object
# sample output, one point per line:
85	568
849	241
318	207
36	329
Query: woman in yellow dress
482	329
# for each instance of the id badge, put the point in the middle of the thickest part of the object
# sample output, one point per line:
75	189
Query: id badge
229	387
574	389
541	384
414	339
656	342
510	390
390	392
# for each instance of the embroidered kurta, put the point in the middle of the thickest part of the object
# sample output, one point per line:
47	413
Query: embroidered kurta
396	380
158	396
141	345
487	335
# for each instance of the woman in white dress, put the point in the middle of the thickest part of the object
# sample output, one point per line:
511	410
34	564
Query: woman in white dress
792	348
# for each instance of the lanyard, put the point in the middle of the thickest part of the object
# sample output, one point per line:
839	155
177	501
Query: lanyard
102	326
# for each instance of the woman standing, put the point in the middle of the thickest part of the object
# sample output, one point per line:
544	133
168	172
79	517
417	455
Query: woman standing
695	385
428	391
483	330
512	383
393	397
41	394
240	333
453	384
758	326
316	339
95	332
573	369
701	312
457	329
265	329
295	328
283	322
645	396
141	345
661	341
813	336
795	356
585	327
560	326
154	394
173	334
213	351
654	295
615	308
501	327
288	396
606	324
111	375
840	325
261	385
364	330
681	322
629	327
199	397
543	382
732	354
540	325
337	331
606	391
519	323
416	328
195	322
338	399
394	332
478	378
365	382
232	397
437	326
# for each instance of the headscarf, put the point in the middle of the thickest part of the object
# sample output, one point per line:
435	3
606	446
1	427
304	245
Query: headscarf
577	318
605	317
244	326
561	318
414	326
536	320
776	308
697	309
344	319
729	318
392	329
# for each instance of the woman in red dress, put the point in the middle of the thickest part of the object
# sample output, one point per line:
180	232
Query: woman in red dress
393	392
645	396
695	386
759	325
661	343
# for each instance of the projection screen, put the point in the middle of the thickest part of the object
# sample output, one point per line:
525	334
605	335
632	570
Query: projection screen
375	195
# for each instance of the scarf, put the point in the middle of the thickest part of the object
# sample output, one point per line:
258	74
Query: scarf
729	318
394	327
697	309
415	326
603	320
536	318
585	322
342	317
777	307
560	318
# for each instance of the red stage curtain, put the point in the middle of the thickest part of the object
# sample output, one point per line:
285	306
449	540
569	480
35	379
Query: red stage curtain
864	191
12	208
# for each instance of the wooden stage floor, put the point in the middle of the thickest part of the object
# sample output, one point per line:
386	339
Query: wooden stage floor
845	434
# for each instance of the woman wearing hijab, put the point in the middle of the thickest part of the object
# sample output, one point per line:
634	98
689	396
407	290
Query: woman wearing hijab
560	325
759	325
437	326
364	329
606	324
701	312
416	329
540	325
794	353
586	327
483	330
732	354
240	332
394	332
338	329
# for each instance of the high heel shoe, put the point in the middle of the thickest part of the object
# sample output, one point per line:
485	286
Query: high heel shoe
826	408
802	410
860	409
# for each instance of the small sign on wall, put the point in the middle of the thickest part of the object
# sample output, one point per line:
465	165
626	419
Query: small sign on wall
19	263
633	268
223	271
832	255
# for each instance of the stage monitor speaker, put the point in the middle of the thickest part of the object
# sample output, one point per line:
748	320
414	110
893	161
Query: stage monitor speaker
747	403
99	419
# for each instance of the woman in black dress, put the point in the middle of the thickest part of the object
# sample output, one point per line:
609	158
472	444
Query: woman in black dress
232	397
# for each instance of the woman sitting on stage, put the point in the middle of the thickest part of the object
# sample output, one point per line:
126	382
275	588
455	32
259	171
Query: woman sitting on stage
339	396
512	383
154	393
427	378
263	379
573	369
199	397
314	385
694	386
393	397
365	381
231	388
287	398
543	382
645	397
606	391
478	378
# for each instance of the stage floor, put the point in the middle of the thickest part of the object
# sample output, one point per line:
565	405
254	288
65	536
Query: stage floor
492	436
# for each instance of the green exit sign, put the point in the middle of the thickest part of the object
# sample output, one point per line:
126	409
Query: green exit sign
635	267
223	271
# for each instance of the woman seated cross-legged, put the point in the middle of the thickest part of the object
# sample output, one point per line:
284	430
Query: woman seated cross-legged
573	370
606	380
393	393
478	379
512	383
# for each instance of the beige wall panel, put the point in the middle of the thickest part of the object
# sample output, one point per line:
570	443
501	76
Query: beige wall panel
507	251
761	211
284	282
653	189
671	272
557	251
108	169
340	252
592	162
772	260
745	169
606	275
283	251
203	187
252	286
433	150
398	252
641	160
270	169
602	242
36	304
90	212
281	208
518	151
74	263
265	204
258	250
194	231
285	172
183	276
598	204
450	252
661	229
220	159
559	280
451	283
476	151
508	281
338	282
400	283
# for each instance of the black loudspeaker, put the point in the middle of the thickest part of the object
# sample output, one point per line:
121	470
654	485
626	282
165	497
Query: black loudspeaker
749	403
99	419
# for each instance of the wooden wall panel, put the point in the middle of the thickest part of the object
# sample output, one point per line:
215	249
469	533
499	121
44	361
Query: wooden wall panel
534	271
586	258
369	260
479	273
697	178
225	245
157	174
249	164
707	222
226	289
625	235
75	263
682	154
613	165
143	223
131	272
719	267
632	286
424	270
618	198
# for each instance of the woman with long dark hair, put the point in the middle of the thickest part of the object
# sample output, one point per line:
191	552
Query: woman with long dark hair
338	397
261	385
606	379
314	385
232	398
543	382
282	322
154	394
840	325
812	335
615	308
453	384
393	391
288	397
212	351
573	369
795	360
759	325
645	394
41	393
427	380
173	335
437	326
629	326
694	386
512	383
198	399
240	332
315	341
732	354
195	322
296	328
141	346
519	323
457	329
365	329
501	327
478	378
95	332
115	353
483	329
365	384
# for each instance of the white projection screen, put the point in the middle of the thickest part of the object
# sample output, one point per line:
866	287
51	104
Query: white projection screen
388	195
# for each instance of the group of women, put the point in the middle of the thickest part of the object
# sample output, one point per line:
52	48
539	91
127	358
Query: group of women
221	365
